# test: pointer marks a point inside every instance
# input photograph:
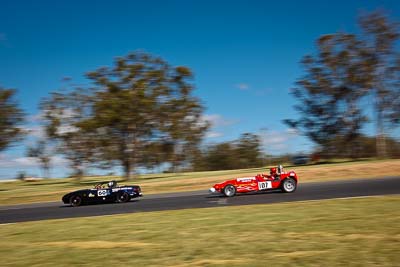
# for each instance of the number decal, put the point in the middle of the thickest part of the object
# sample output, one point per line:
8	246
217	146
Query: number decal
264	185
102	193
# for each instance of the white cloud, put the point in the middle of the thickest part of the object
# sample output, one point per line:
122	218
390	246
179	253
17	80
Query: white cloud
243	86
7	161
292	131
217	124
64	129
59	161
26	162
36	117
275	138
33	127
278	142
213	134
36	131
217	120
68	113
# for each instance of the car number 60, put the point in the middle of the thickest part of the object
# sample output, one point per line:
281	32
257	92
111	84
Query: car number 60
102	193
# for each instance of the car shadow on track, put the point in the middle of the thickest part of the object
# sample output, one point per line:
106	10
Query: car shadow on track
99	204
275	191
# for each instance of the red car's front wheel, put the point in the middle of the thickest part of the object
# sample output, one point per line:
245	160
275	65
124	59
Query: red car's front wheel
229	190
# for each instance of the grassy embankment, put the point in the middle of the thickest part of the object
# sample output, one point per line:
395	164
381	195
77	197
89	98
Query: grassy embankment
343	232
52	189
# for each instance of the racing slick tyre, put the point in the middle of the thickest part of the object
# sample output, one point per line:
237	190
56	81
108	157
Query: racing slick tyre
229	190
75	201
123	197
289	185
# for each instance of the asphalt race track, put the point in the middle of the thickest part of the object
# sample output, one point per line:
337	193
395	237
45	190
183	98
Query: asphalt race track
201	199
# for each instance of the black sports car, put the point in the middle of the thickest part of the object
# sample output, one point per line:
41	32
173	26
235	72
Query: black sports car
103	192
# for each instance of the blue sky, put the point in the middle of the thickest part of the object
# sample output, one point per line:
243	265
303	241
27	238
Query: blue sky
245	55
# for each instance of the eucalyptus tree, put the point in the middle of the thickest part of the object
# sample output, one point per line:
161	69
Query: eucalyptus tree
139	101
331	90
61	114
381	38
348	71
41	151
11	119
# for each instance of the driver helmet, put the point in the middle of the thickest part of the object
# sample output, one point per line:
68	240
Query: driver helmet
111	184
272	171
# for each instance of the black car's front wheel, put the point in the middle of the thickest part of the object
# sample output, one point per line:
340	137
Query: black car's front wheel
123	197
289	185
229	190
75	201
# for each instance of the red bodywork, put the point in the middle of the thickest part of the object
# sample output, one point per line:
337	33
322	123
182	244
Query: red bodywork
260	182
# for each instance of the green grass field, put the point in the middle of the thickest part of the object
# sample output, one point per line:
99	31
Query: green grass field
343	232
18	192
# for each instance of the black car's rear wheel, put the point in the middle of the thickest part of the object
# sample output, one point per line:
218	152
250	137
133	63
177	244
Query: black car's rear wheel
289	185
229	190
75	201
123	197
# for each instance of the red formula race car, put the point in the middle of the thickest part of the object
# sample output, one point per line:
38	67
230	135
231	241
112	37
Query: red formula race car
277	179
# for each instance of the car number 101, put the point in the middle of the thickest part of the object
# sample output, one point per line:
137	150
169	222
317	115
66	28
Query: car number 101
102	193
264	185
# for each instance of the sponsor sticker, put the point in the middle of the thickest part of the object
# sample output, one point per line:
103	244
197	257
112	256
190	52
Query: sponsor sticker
245	179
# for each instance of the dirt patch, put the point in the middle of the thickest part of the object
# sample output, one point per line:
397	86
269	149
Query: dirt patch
340	237
96	244
210	262
298	254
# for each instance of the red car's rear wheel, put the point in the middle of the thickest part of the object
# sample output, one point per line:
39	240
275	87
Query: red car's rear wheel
289	185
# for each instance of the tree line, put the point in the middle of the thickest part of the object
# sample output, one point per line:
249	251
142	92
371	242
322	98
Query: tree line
141	111
349	76
246	152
